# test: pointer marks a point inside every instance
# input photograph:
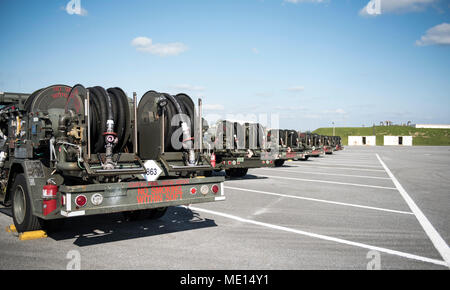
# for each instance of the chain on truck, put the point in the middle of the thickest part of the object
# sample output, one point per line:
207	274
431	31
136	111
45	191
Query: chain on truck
75	151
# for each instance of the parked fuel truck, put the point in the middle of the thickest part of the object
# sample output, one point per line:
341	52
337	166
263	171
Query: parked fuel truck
75	151
327	144
289	146
235	147
313	142
337	143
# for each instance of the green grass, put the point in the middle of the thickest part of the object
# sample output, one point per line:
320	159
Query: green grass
421	136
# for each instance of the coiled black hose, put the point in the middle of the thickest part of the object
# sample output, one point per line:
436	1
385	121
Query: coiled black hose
175	105
109	105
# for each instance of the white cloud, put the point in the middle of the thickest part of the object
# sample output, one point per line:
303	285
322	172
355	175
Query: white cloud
188	87
74	7
439	34
340	111
397	6
255	50
146	44
296	89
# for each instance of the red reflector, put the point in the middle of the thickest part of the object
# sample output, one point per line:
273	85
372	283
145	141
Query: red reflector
81	200
193	190
215	188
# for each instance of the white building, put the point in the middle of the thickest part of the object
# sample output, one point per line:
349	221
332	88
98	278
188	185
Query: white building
398	140
362	140
432	126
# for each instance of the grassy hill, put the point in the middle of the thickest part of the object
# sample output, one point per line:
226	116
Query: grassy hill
421	136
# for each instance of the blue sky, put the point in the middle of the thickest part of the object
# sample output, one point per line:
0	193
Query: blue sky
312	62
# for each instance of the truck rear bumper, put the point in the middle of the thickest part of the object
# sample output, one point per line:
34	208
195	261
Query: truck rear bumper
254	162
119	197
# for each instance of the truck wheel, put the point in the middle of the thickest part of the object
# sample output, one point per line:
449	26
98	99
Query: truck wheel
279	162
135	215
242	172
157	213
23	218
229	172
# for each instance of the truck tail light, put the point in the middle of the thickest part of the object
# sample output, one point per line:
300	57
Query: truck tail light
204	189
215	188
193	190
81	200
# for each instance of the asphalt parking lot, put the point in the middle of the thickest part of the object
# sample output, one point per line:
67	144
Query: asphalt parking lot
360	207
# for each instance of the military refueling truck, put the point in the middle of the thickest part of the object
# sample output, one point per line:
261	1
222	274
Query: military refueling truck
326	143
289	144
337	143
236	147
75	151
312	140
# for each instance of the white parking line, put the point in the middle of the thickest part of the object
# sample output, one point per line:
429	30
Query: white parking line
330	182
434	236
320	200
323	173
344	168
322	237
345	164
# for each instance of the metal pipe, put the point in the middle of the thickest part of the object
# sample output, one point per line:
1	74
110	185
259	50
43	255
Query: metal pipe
162	130
135	123
88	113
63	165
200	120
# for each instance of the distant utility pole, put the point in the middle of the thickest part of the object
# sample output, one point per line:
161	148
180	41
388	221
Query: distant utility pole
333	129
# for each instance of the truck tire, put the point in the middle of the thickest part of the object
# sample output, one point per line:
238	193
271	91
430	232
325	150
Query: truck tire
157	213
152	214
23	217
135	215
242	172
229	172
279	162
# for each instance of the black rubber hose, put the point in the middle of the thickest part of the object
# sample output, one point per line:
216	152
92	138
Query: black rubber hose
108	103
126	123
99	101
95	124
171	111
188	108
240	133
119	118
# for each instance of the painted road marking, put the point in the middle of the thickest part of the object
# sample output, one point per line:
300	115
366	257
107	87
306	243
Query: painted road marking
346	168
321	200
434	236
323	173
332	163
330	182
322	237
